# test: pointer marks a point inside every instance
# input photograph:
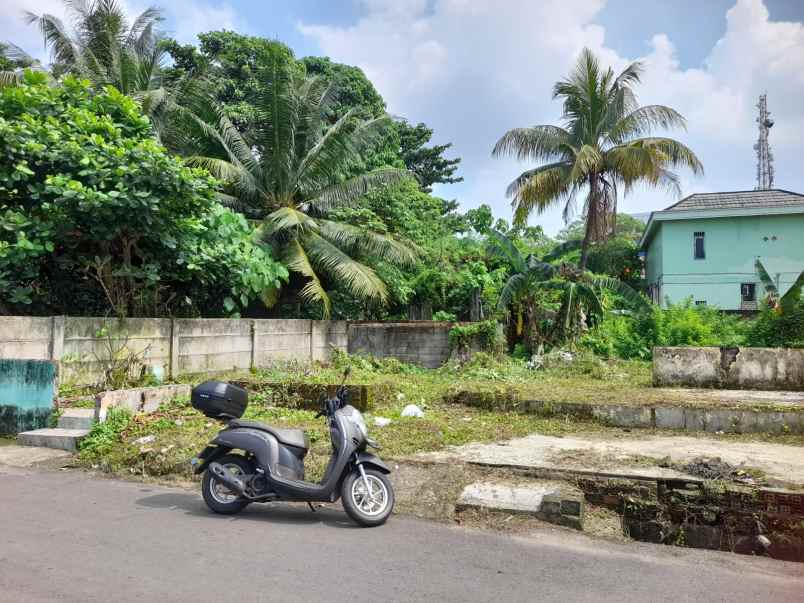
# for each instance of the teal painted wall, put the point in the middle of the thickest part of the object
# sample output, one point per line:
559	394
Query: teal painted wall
732	246
27	390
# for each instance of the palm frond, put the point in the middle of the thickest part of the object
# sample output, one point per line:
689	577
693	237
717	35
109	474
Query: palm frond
62	47
296	259
289	218
648	159
226	171
357	278
344	193
542	190
644	120
381	246
588	160
538	142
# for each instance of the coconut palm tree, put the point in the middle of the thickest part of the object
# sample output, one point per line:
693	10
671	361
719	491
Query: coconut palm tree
290	171
102	46
533	279
603	145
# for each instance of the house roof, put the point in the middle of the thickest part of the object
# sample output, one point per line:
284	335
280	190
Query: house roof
738	200
719	205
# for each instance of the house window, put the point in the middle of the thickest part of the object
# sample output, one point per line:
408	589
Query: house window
700	302
748	292
699	251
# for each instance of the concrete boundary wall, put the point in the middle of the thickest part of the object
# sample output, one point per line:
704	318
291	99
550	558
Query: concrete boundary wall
729	368
175	347
425	342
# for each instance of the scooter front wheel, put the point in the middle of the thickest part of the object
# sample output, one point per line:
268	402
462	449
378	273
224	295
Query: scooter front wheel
217	496
368	501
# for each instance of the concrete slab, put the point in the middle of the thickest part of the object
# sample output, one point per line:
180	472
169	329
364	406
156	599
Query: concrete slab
545	500
77	418
27	456
61	439
728	411
629	456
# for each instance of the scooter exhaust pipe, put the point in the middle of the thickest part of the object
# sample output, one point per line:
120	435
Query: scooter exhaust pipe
224	476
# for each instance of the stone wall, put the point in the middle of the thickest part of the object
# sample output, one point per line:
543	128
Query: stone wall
425	343
181	346
729	368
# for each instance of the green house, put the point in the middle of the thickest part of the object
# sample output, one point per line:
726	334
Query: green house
706	246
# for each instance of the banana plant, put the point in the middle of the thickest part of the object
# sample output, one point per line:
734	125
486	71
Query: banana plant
579	292
785	303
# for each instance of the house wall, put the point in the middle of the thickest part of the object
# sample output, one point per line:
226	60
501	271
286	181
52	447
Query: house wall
732	246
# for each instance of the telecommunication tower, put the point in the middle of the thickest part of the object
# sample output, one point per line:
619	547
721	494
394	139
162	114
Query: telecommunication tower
764	155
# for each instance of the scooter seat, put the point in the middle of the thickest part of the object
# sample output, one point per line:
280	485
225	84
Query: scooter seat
291	437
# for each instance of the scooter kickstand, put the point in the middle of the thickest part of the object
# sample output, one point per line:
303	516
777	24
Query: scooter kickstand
312	508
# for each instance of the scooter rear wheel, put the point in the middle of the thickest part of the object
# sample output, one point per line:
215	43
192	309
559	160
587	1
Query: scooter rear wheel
368	510
217	496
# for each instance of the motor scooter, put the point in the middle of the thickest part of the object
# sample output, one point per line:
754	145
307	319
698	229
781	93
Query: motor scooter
269	463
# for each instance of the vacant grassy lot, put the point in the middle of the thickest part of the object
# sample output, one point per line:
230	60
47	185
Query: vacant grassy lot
181	432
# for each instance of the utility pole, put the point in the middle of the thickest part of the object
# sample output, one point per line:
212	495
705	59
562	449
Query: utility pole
764	155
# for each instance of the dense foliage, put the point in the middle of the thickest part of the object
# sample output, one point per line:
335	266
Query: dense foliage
680	324
96	215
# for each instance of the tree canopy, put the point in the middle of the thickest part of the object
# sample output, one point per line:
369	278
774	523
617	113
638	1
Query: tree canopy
96	215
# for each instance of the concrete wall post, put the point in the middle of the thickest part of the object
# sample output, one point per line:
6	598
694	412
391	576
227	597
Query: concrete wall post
174	349
57	338
254	343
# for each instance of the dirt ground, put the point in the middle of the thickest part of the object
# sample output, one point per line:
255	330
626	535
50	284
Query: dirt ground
629	454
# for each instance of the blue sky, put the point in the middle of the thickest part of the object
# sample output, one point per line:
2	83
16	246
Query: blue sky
471	69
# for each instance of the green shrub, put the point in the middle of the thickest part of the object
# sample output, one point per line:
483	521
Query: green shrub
775	329
682	324
104	436
96	217
485	334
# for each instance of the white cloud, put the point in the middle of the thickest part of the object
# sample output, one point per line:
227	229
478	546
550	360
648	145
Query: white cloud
187	18
474	68
13	28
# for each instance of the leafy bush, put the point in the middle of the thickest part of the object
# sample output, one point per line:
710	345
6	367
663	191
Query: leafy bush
681	324
484	334
104	436
96	215
773	328
619	258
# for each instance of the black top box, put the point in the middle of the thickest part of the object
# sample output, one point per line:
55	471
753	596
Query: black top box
219	400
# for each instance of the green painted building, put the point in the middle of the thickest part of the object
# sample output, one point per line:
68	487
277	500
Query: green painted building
706	246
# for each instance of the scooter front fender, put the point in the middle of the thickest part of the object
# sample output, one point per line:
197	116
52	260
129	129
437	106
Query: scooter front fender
371	460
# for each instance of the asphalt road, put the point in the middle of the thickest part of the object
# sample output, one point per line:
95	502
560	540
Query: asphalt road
68	536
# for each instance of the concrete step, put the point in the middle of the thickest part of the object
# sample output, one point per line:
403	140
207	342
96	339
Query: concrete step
77	418
554	502
61	439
